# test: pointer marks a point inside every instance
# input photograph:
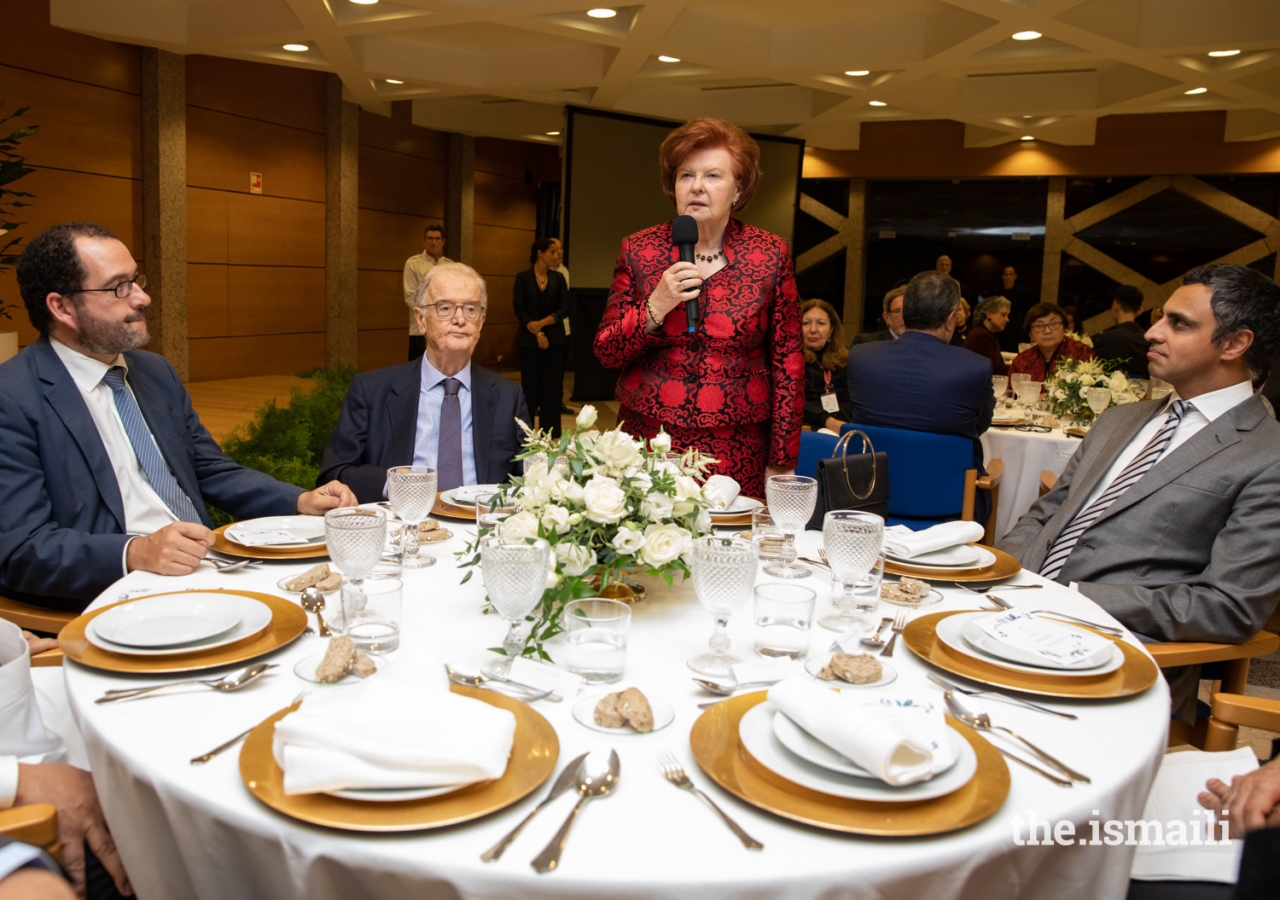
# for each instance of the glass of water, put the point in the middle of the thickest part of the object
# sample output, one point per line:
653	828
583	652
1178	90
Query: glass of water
724	571
515	575
783	614
375	626
355	538
853	542
999	384
596	630
791	501
1099	399
492	509
412	492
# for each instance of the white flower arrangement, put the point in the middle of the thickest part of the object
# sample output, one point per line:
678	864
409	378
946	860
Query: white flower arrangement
1068	390
607	505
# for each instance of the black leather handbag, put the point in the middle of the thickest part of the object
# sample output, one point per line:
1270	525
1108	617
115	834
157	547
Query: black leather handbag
852	480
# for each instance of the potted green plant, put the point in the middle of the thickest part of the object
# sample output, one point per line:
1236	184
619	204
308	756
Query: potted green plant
12	167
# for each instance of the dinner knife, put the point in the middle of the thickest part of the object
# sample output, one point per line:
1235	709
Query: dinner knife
567	779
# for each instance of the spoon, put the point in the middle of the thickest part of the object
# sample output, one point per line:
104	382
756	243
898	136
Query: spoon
874	640
568	778
724	690
980	720
313	601
596	778
480	681
226	684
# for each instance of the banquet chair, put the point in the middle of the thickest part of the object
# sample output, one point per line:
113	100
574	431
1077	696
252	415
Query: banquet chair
931	477
40	620
1048	478
813	447
35	823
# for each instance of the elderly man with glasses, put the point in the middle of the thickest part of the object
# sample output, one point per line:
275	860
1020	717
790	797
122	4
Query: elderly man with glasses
439	411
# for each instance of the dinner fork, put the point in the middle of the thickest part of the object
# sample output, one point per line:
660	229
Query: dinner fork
674	773
223	565
205	757
899	623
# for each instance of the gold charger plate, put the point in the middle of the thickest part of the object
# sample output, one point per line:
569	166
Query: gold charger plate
533	757
230	548
452	511
740	519
1004	567
287	622
717	749
1137	674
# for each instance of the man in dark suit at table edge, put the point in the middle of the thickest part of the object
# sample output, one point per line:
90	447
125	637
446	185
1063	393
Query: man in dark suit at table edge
106	467
1125	341
1165	516
440	411
891	316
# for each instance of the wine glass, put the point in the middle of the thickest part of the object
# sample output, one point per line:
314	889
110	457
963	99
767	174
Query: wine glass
412	492
355	538
1028	395
852	542
1099	399
515	575
999	384
724	572
791	500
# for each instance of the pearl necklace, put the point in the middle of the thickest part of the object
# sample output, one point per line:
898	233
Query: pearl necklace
709	257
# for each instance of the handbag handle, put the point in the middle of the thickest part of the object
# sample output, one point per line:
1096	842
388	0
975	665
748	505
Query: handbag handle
843	446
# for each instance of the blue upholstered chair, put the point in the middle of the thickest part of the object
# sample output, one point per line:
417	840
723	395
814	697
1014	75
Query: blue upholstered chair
814	446
931	477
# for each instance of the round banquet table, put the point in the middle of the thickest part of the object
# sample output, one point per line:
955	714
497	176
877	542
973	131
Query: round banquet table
196	831
1025	455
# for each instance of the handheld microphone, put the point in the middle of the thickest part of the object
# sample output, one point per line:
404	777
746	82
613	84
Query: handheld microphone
684	234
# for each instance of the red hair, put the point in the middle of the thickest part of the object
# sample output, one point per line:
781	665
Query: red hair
712	134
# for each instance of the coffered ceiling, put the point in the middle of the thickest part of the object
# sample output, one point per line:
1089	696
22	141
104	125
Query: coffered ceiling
506	68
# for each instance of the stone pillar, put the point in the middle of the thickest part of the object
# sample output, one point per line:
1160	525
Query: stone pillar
854	232
341	207
460	208
1057	234
164	202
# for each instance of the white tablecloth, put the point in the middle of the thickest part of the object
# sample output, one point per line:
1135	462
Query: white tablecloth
1025	455
195	831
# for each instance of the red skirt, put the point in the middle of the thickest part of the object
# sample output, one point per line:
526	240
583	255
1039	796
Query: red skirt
741	449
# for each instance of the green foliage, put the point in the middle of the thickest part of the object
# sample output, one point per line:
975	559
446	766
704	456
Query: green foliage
12	167
287	443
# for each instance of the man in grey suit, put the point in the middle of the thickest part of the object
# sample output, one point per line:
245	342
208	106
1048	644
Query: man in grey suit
1166	515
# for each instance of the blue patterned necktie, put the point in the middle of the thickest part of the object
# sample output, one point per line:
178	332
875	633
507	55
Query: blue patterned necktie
449	452
1140	465
153	464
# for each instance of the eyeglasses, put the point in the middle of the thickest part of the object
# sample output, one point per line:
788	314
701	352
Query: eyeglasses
895	311
121	290
470	311
1043	327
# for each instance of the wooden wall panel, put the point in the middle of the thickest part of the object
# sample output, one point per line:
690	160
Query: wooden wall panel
386	239
382	347
272	231
206	226
278	94
497	348
501	308
30	42
505	201
512	158
501	251
207	301
63	196
223	149
240	357
397	133
380	302
18	317
395	182
275	300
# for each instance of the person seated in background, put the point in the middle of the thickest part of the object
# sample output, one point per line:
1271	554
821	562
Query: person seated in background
541	301
1072	316
439	411
892	316
106	467
31	771
1018	306
989	319
921	383
1165	516
1046	323
826	384
962	324
1124	341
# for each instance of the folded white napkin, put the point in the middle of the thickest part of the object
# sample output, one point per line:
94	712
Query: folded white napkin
902	541
401	728
720	491
884	740
1043	641
1173	799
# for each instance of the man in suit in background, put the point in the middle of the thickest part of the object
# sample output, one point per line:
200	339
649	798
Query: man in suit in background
415	269
921	383
1125	342
892	316
106	467
1165	516
441	411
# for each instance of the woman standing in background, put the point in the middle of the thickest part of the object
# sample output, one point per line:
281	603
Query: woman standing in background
541	300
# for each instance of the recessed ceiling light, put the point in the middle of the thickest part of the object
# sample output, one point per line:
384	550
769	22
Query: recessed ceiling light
668	59
390	80
858	73
1220	53
876	103
297	48
602	13
1028	137
553	134
1197	90
1027	36
1028	117
364	2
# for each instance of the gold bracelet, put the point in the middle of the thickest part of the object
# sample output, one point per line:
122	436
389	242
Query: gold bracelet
648	305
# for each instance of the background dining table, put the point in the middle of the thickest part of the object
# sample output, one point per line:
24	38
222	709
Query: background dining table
197	831
1025	455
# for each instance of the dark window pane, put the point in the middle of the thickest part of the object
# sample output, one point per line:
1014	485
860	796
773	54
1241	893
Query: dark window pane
1083	193
1259	191
825	280
830	192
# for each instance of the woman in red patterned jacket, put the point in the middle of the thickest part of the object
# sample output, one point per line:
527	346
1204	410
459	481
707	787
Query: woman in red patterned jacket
734	388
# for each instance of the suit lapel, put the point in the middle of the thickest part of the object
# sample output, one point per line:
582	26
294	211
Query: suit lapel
483	402
402	412
157	412
1099	462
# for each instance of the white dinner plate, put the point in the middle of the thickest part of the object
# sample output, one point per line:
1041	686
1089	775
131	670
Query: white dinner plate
739	506
809	748
975	637
308	531
396	795
467	494
951	632
815	664
962	556
254	616
168	621
306	670
756	733
584	711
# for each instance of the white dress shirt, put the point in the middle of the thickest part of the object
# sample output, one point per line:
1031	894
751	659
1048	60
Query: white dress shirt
23	735
426	441
416	268
1204	409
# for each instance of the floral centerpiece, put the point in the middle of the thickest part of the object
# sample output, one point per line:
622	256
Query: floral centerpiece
1068	389
608	505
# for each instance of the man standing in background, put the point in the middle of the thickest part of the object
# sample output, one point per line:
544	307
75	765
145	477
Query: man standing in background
1013	333
415	268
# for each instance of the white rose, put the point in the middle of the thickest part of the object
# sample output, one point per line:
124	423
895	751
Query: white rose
657	507
664	544
536	469
533	497
640	481
661	443
617	450
1088	380
703	522
628	540
520	525
687	488
575	519
586	416
574	559
555	519
1119	382
606	502
553	578
1084	393
574	492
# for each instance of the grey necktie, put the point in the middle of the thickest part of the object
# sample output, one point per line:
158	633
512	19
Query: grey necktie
1128	477
449	451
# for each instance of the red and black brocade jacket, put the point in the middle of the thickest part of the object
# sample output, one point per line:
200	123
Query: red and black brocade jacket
1032	362
743	364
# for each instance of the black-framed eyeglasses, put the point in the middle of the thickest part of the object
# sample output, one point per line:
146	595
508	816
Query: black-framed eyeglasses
1045	327
121	290
470	311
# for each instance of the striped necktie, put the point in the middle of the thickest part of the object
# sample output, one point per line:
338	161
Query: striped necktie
1128	477
153	464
